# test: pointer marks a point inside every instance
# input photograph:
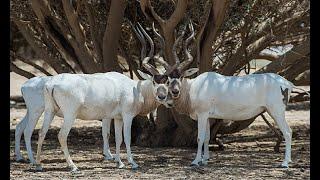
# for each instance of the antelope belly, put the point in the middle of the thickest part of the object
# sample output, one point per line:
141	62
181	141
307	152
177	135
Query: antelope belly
87	112
235	112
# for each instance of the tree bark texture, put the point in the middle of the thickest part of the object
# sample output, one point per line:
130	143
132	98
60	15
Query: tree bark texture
112	35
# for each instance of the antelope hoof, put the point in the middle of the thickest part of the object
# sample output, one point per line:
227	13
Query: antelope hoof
108	158
194	164
134	166
75	170
203	163
32	162
120	165
284	165
21	160
38	168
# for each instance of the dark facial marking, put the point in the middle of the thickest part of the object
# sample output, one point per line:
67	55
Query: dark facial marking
160	79
175	74
285	95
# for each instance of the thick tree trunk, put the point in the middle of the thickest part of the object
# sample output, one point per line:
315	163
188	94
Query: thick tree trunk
112	35
208	34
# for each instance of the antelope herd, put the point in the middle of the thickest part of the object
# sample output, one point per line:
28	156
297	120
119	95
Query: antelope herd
115	96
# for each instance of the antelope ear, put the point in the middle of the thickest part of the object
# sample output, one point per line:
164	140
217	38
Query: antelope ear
190	72
145	75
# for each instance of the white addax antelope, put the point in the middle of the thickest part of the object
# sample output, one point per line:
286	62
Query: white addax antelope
212	95
32	92
102	96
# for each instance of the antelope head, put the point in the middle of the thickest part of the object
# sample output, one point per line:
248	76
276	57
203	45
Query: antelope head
177	72
160	81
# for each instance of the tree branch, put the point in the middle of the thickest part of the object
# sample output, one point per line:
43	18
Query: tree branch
268	31
15	56
19	71
42	11
177	15
58	65
302	79
129	61
149	12
237	60
297	68
167	26
300	98
73	21
267	56
93	32
288	58
82	51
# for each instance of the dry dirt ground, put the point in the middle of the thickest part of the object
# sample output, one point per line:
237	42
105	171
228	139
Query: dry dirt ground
248	154
245	158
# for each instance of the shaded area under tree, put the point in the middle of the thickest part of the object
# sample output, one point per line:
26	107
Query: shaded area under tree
90	36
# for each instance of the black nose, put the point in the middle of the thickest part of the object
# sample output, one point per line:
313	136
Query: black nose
161	97
175	92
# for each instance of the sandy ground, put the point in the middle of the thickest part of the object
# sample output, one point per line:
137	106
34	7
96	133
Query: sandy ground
248	154
245	158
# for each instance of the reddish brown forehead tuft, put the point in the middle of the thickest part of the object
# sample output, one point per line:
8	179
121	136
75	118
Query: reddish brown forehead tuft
160	79
175	74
